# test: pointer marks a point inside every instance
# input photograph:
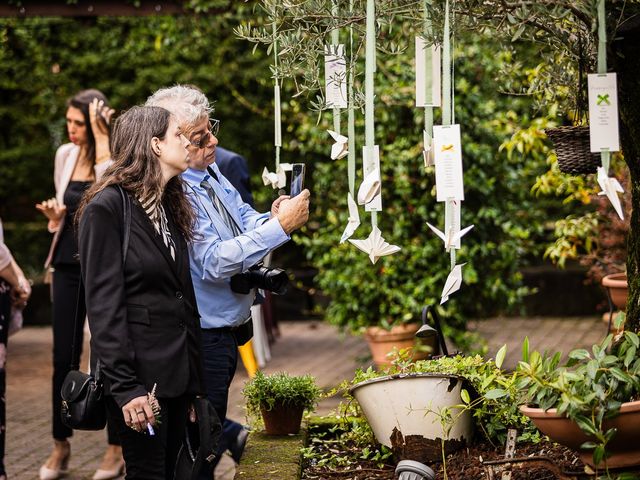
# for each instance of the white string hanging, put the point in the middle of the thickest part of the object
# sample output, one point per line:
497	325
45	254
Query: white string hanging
370	188
371	170
448	159
603	117
447	110
276	94
602	65
351	122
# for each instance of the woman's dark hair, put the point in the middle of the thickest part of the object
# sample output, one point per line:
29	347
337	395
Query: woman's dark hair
136	167
81	101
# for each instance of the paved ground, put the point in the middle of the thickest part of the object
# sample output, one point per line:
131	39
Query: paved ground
304	347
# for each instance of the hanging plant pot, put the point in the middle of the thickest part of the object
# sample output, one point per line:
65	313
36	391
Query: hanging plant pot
381	342
282	419
573	150
406	411
624	447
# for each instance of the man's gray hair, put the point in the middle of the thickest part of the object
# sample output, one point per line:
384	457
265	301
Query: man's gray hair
187	103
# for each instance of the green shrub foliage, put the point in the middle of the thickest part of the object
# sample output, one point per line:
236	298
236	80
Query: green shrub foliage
44	61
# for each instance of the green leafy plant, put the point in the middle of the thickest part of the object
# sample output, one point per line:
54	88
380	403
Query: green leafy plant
588	389
265	391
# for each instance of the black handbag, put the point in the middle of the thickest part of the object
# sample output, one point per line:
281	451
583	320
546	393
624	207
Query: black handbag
83	406
200	442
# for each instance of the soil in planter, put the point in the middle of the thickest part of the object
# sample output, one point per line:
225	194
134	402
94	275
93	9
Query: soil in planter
465	464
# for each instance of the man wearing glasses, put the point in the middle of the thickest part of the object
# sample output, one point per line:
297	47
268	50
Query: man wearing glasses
230	237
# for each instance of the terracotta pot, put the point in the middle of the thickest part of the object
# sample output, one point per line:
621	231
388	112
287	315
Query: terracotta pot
616	285
624	447
282	419
382	341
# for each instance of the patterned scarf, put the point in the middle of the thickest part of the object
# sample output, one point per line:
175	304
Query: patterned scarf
152	206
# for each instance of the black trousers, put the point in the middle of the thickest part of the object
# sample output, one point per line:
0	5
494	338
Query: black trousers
66	281
5	316
152	457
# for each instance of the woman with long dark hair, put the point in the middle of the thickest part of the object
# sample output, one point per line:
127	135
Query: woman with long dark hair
142	314
78	164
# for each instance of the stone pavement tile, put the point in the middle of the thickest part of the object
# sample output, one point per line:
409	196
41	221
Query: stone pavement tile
303	347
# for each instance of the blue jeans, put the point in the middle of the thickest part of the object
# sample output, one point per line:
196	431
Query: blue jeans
220	359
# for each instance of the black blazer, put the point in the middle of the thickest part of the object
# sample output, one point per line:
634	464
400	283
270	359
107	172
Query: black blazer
144	320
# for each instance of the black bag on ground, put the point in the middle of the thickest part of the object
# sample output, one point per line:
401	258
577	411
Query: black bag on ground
200	443
83	405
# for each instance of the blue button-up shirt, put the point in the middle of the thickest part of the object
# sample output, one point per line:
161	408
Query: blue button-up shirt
216	255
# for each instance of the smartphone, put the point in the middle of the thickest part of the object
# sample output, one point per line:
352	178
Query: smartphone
297	179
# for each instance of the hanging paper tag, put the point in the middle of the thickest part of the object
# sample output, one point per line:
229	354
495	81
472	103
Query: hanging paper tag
448	159
370	167
335	76
603	112
427	74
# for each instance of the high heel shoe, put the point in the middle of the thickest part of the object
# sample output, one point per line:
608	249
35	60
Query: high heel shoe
47	473
102	474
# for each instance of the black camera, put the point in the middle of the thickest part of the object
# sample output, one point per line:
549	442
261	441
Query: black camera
273	279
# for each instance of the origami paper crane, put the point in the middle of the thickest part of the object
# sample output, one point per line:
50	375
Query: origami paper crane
277	179
610	187
375	246
354	219
451	239
370	187
452	285
340	149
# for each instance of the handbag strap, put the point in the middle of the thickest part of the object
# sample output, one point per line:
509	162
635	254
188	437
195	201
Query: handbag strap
80	300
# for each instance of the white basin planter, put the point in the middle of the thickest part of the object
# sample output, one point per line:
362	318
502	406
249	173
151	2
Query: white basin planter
413	405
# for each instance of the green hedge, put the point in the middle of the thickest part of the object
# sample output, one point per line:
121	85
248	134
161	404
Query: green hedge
44	61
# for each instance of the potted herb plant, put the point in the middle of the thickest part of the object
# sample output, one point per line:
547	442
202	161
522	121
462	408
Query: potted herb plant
592	403
281	399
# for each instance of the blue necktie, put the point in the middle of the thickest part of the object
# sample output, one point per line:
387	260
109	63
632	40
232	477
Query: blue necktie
222	210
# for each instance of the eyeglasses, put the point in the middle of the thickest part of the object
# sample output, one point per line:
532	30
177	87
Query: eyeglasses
214	127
